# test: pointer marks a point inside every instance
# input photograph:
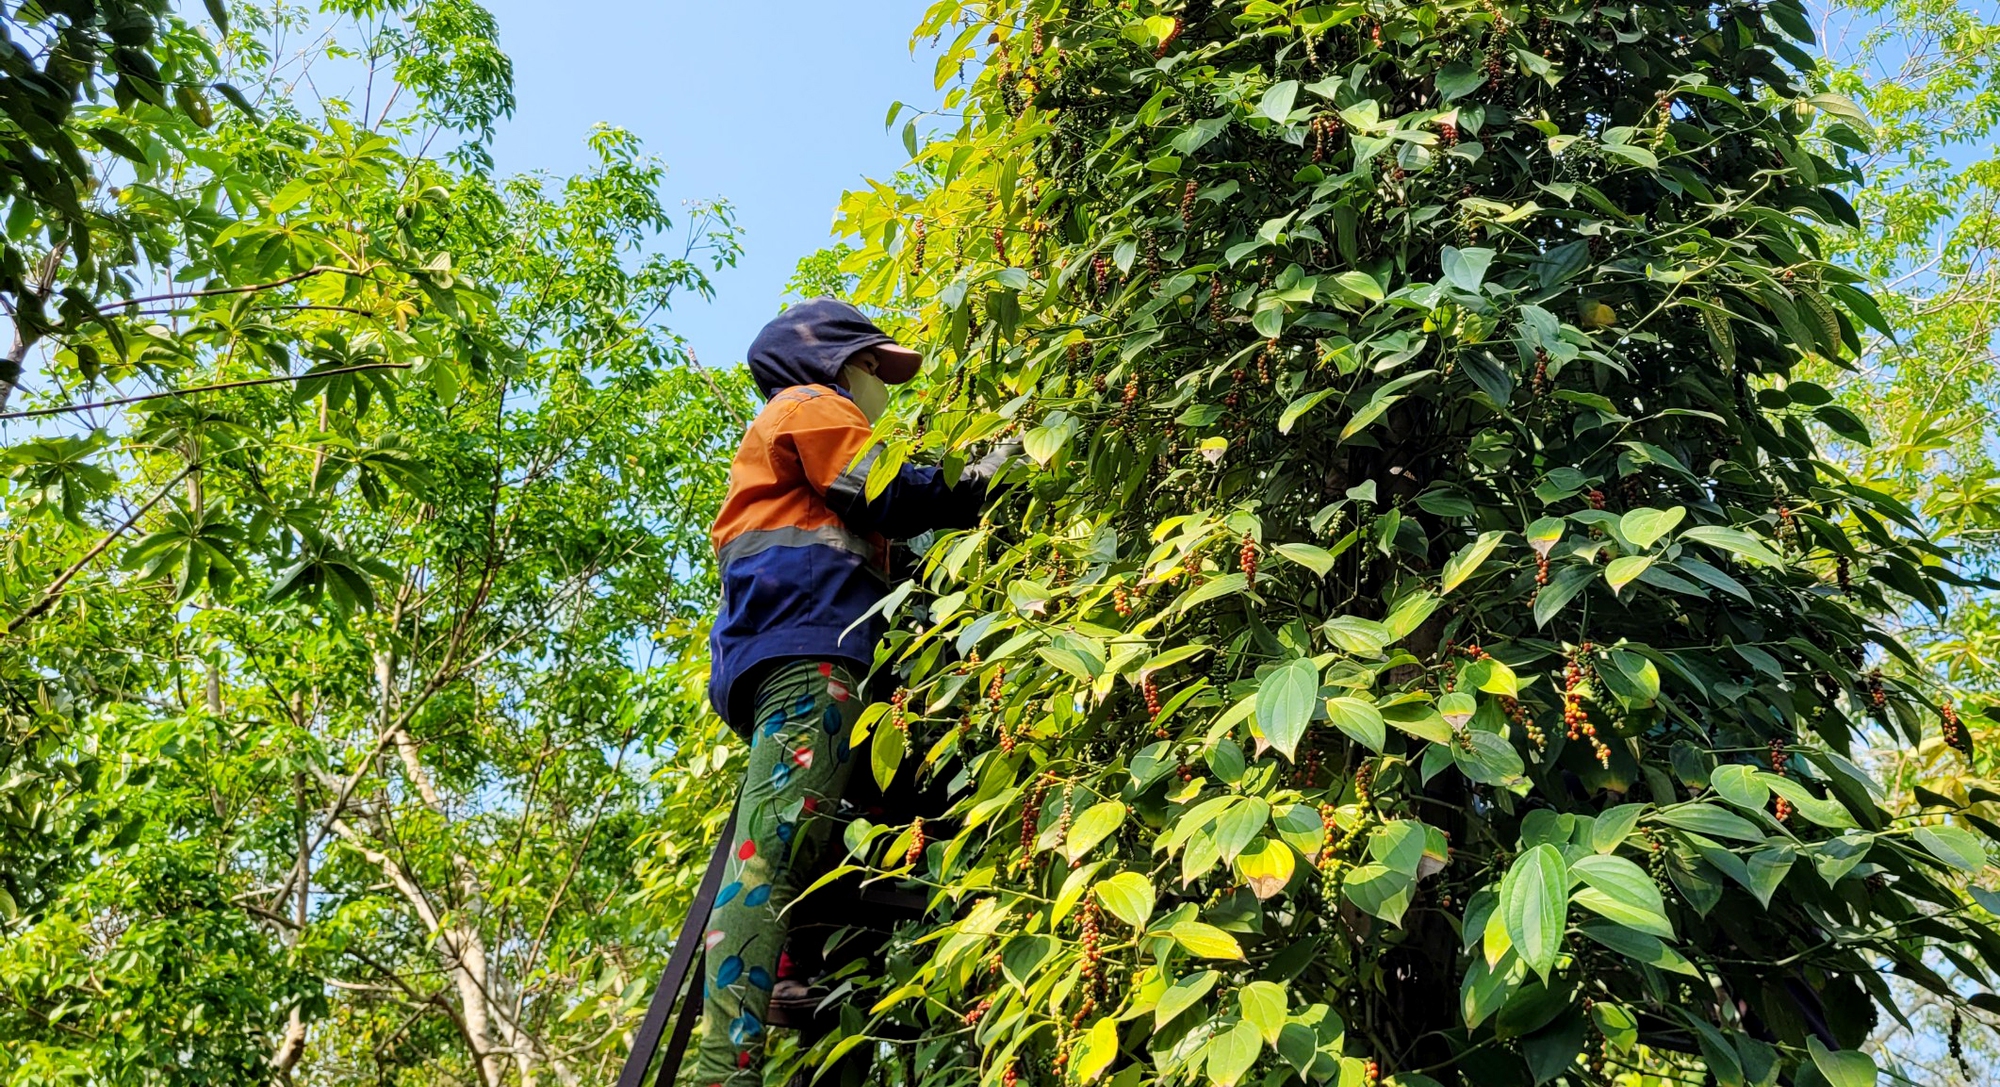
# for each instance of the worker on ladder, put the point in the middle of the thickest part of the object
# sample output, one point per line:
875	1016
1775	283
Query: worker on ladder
803	553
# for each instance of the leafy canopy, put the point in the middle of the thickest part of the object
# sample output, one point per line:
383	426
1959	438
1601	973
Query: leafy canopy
1434	645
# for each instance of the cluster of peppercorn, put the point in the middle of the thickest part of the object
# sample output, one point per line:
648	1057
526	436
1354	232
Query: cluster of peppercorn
1956	735
1578	675
1321	131
1656	860
899	718
1955	1042
1090	971
1031	817
1783	808
1128	403
1519	716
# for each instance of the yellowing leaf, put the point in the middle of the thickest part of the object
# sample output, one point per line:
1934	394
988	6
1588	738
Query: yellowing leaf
1100	1048
1263	1003
1269	869
1462	565
1093	826
1129	896
1205	940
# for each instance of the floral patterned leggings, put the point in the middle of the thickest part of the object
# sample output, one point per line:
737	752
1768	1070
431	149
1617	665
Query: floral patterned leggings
799	761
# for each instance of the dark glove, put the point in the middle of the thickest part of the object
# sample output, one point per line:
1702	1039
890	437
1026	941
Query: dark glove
986	469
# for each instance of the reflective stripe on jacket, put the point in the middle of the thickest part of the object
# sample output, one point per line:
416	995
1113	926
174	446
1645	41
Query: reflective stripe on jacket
802	555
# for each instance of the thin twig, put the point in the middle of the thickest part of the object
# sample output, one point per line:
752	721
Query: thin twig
172	296
190	391
54	590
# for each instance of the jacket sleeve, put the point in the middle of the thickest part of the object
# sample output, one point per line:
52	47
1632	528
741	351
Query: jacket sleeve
828	431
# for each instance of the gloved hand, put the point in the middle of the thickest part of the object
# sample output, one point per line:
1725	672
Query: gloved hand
987	468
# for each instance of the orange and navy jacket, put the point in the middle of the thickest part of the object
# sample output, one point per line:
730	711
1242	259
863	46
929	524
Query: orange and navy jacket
803	553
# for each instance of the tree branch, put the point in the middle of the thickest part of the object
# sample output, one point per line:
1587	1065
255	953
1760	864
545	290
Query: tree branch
50	594
191	390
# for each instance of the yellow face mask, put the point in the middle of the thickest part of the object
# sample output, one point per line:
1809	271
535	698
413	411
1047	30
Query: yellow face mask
870	394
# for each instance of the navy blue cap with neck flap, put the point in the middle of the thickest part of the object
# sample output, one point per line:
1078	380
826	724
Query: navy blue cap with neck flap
809	343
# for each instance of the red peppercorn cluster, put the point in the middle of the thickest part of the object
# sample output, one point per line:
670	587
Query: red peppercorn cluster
1306	771
1596	499
1167	41
1063	820
1448	133
1000	244
1540	383
1321	131
1523	720
1091	970
1035	39
1783	808
1364	780
1012	1076
917	245
1788	528
978	1012
1031	816
899	717
1247	556
1100	275
1128	401
1373	1070
1264	358
1121	602
1152	692
1878	696
1187	203
1956	736
1215	312
1577	675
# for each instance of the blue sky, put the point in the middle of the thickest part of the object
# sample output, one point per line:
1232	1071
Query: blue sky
777	106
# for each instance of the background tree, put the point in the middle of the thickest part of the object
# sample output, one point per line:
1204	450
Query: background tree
353	567
1437	645
1925	74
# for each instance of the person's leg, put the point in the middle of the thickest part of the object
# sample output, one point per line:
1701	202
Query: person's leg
799	761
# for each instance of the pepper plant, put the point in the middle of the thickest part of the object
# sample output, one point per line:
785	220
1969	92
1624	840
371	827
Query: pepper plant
1429	647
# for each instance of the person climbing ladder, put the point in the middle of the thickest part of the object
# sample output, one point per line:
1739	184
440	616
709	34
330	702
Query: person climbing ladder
803	554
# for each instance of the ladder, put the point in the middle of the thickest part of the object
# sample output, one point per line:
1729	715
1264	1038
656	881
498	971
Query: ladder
873	907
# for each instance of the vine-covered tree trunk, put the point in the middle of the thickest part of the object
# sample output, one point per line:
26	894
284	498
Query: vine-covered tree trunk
1428	644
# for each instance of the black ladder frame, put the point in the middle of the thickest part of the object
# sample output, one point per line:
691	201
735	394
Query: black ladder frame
686	961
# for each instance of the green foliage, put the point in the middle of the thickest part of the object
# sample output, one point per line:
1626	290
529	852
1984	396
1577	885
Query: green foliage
354	565
1430	603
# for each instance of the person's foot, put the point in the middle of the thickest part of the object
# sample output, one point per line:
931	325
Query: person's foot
794	1003
790	991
